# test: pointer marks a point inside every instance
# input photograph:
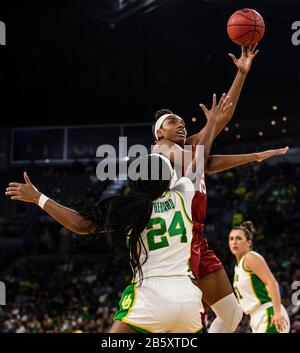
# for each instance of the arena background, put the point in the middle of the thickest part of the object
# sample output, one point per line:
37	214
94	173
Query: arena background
76	75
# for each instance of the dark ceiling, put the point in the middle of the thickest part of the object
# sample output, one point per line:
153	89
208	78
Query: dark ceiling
100	61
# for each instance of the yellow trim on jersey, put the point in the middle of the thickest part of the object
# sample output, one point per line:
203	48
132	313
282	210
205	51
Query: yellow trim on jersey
267	321
251	282
267	289
243	265
183	208
138	326
129	311
249	276
165	194
201	327
252	286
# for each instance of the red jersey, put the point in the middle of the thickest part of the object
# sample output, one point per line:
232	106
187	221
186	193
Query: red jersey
203	260
199	204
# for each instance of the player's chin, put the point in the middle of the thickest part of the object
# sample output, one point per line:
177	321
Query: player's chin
234	251
180	140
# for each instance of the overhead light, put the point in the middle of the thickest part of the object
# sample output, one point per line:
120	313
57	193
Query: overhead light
238	136
283	131
284	118
194	119
273	122
274	107
226	128
260	133
237	125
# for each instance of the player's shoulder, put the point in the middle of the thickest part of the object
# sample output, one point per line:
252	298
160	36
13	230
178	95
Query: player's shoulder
252	256
183	184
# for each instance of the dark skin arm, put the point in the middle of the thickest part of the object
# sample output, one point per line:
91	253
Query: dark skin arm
67	217
219	163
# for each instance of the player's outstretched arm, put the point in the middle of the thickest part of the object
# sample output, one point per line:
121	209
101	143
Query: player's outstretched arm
257	264
243	65
67	217
219	163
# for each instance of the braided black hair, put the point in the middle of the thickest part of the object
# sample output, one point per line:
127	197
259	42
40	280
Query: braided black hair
124	217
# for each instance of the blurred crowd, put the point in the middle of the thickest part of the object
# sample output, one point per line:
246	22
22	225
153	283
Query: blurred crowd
57	282
47	295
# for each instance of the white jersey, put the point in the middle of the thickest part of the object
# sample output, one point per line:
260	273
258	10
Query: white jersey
168	235
249	288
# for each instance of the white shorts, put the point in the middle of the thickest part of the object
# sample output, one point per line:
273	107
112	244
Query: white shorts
162	304
260	319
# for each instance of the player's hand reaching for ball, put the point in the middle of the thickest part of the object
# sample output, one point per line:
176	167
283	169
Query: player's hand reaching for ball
270	153
244	62
23	192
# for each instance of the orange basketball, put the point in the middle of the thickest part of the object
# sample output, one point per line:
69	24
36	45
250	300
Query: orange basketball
246	27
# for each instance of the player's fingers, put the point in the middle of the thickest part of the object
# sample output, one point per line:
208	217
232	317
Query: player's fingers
214	100
26	178
203	107
248	51
255	53
282	150
14	184
226	107
12	189
280	325
253	47
12	193
221	100
225	101
244	50
16	198
233	57
286	323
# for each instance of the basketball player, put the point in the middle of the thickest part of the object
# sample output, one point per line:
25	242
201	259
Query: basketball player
169	130
254	284
155	222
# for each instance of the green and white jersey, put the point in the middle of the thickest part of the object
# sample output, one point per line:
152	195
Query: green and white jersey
249	288
168	235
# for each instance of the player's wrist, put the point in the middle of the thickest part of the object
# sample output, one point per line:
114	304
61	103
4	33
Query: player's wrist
36	197
242	73
40	199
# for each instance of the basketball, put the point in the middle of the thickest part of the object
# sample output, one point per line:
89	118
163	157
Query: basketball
246	27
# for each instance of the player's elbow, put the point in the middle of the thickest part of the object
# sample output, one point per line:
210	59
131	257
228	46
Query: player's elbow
208	166
79	227
272	282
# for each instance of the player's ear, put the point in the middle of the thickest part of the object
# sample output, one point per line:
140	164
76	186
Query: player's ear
160	134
